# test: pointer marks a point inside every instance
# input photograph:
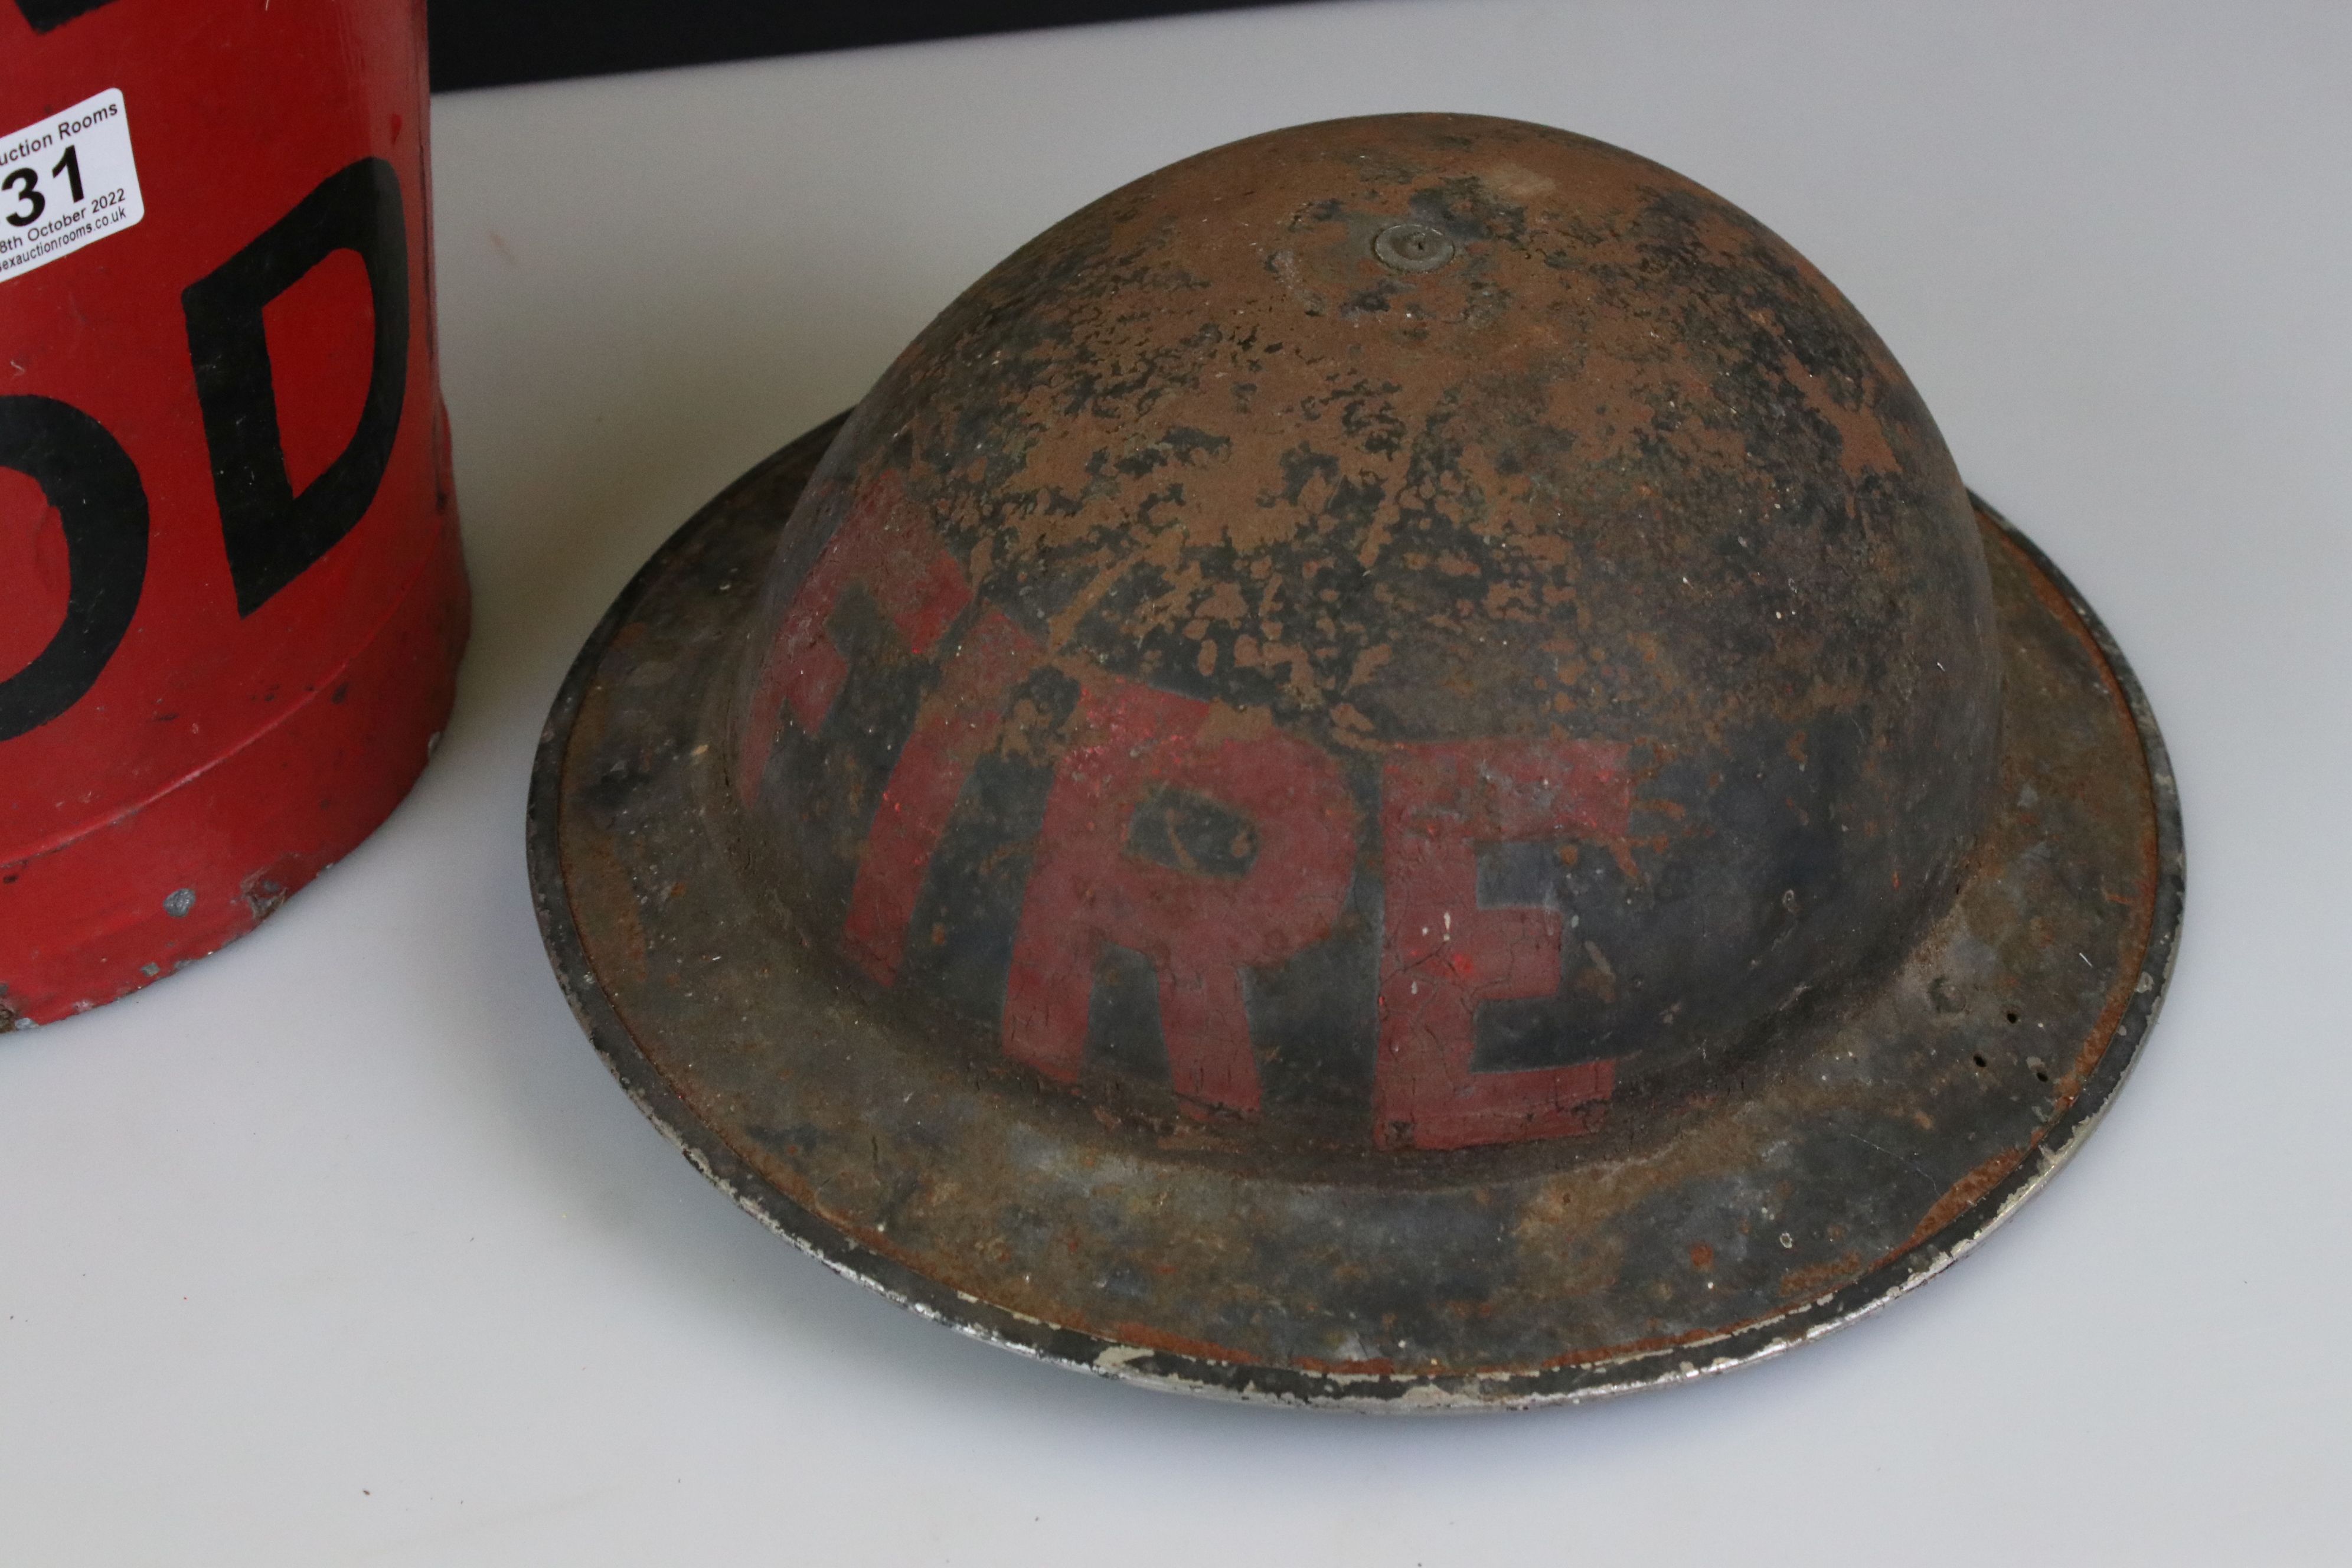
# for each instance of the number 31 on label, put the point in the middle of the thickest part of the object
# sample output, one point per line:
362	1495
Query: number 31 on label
68	180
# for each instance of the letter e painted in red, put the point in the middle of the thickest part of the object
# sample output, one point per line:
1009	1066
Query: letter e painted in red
1443	956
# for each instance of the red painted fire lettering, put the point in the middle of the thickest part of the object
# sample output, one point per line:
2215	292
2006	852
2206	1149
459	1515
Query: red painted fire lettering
884	547
958	722
1088	887
1443	956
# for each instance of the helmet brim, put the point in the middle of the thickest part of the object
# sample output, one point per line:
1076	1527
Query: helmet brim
1879	1136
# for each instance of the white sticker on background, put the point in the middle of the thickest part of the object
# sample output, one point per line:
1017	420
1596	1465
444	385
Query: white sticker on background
66	180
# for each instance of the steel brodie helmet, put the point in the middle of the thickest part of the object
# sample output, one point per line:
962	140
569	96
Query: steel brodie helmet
1389	768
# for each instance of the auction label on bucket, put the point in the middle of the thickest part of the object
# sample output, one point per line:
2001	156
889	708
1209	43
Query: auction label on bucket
66	180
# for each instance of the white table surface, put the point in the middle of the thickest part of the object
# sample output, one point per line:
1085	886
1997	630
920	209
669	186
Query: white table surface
343	1247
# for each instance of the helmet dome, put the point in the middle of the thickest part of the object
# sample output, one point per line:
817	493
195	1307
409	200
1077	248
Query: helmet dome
1399	631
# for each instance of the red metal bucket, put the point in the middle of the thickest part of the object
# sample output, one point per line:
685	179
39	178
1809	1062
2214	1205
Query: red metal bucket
232	599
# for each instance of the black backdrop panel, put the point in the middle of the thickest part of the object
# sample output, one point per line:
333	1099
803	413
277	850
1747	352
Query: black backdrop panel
491	43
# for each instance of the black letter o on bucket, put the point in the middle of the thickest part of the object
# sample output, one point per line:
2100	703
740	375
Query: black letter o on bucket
95	487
